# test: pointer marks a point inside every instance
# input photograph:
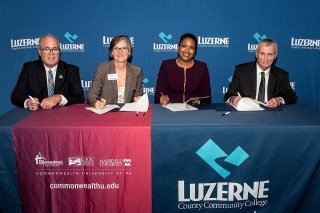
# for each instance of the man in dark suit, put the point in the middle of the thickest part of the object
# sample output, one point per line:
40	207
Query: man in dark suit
275	88
48	81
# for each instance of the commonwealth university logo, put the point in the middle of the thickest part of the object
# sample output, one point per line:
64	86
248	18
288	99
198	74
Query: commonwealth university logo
210	151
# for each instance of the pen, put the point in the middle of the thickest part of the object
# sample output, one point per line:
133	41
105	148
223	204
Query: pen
33	99
226	113
239	94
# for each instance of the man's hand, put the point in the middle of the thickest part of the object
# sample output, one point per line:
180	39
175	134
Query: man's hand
50	102
274	102
33	104
234	100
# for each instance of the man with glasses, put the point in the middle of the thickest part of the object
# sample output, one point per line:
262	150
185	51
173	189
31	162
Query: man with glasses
261	79
47	81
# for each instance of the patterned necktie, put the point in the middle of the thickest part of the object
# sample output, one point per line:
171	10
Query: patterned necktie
50	83
261	88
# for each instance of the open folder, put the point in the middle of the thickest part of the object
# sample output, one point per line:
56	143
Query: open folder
249	104
141	105
176	107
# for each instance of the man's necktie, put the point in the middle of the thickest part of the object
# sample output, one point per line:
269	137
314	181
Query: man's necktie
50	83
261	88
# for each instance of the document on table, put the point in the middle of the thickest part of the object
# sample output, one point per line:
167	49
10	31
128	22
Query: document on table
141	105
105	109
249	104
177	107
195	98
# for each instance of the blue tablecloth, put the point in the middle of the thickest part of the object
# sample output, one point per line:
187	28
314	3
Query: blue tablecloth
205	162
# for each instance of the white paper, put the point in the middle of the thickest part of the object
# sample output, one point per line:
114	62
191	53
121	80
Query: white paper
141	105
176	107
248	104
196	98
105	109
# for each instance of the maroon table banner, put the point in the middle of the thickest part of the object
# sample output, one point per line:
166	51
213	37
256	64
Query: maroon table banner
72	160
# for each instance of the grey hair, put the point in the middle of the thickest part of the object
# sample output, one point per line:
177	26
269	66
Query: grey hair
267	42
46	36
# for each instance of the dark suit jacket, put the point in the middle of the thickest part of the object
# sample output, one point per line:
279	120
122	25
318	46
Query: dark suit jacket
244	81
33	81
101	87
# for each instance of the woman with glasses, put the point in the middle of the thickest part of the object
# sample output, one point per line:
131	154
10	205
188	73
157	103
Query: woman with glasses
183	78
48	81
116	81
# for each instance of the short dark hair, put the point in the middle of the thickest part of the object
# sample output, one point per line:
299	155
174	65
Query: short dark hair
193	37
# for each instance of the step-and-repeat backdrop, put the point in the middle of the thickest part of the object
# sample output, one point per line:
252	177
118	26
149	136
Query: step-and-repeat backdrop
227	31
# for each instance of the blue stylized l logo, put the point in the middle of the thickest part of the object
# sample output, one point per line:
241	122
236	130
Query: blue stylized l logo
70	37
165	37
258	37
210	151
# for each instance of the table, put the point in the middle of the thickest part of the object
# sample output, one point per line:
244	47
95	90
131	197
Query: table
266	161
72	160
250	161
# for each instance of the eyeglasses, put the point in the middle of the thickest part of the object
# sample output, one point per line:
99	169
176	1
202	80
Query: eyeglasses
122	49
48	50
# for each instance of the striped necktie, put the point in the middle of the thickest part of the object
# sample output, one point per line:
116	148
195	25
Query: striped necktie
50	83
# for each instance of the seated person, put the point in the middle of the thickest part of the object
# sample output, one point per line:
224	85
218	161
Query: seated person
261	79
48	81
116	81
182	78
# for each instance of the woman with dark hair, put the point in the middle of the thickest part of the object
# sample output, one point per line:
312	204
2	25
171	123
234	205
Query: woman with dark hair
182	78
116	81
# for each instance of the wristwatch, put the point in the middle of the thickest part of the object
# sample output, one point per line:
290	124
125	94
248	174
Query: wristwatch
281	100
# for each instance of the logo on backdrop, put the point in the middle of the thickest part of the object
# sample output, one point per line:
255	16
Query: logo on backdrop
106	40
146	89
165	46
86	84
81	161
164	37
305	43
71	46
24	43
213	41
225	194
40	160
210	151
71	38
257	37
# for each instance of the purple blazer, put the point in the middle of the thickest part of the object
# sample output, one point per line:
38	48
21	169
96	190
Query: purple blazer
174	82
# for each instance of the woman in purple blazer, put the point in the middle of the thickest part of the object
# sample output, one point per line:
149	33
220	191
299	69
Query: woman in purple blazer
182	78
